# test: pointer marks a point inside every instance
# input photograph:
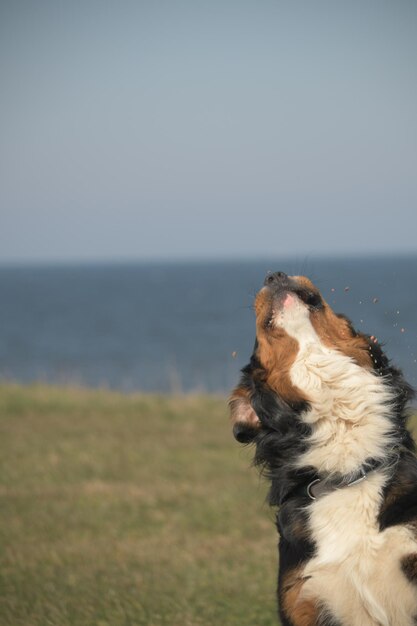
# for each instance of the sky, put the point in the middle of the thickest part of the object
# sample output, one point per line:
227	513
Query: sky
217	129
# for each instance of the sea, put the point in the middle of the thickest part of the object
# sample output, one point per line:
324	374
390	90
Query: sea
177	327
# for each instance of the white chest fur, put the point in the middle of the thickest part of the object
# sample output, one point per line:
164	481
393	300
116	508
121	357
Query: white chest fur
349	404
357	568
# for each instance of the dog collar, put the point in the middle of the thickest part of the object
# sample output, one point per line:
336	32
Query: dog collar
319	486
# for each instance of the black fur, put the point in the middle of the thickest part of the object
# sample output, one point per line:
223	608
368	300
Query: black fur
400	495
282	436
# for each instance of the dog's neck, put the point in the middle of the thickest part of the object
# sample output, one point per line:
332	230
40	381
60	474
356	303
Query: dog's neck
349	412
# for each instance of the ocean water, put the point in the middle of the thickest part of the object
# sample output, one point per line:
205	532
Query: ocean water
181	326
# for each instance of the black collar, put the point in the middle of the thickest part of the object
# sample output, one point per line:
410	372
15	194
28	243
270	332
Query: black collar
316	486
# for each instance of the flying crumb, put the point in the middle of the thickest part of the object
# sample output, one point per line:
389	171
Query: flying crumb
234	355
403	330
375	300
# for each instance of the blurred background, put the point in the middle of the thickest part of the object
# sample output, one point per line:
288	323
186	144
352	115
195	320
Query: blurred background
157	158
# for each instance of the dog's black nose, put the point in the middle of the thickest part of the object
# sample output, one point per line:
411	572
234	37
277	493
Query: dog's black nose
275	278
243	433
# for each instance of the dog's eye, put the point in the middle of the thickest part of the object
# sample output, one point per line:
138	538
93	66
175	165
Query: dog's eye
312	299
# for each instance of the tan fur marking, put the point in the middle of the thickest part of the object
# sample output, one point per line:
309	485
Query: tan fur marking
277	359
303	281
276	351
301	611
334	332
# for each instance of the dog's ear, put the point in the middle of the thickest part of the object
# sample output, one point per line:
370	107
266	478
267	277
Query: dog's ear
245	422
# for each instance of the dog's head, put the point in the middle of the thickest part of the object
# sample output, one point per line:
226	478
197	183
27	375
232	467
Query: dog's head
291	311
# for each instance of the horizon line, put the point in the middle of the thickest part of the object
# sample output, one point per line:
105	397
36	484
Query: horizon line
185	260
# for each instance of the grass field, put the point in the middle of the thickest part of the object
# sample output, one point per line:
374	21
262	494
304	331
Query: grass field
122	510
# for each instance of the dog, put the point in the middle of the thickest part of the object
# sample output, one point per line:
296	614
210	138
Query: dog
326	412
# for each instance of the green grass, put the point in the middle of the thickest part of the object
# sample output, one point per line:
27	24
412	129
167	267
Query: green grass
122	510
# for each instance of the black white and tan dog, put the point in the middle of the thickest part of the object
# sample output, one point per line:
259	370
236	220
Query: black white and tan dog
325	410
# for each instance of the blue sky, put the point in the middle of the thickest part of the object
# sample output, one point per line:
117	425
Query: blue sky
170	129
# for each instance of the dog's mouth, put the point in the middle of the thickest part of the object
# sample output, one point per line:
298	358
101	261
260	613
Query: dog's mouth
281	292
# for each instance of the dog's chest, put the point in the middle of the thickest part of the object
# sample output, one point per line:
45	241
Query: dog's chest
335	385
356	571
344	524
348	412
